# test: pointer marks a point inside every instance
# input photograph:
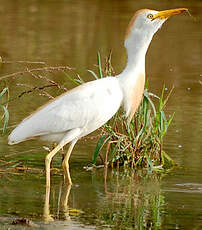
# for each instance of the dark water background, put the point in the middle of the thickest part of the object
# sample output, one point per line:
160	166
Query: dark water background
65	32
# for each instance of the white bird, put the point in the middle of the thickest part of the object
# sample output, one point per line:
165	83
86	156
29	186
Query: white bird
87	107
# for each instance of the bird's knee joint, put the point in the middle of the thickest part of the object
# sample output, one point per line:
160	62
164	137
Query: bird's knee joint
65	165
47	160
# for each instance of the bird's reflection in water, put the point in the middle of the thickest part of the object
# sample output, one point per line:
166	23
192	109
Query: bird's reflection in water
63	208
126	197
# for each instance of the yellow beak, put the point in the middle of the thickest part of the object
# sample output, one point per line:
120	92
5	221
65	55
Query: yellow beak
167	13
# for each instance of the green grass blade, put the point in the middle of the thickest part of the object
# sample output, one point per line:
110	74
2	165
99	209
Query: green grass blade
167	124
3	91
93	73
161	103
168	96
101	142
146	85
153	95
149	161
161	122
71	78
145	111
170	120
99	65
167	161
79	81
6	118
151	103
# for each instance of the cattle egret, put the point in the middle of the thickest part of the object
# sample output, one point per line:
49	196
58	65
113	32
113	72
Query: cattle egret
87	107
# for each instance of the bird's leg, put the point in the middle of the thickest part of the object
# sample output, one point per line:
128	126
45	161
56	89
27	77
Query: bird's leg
70	136
63	154
48	160
46	214
65	163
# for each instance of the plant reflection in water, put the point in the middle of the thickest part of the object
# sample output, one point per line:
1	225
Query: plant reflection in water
128	199
134	200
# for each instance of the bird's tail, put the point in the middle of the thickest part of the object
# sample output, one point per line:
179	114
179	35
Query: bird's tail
21	133
16	136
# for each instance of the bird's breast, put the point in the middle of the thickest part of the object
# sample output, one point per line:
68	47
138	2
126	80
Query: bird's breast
133	95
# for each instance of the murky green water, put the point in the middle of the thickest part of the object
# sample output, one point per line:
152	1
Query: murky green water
70	33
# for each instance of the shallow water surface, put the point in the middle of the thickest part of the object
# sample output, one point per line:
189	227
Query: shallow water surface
70	33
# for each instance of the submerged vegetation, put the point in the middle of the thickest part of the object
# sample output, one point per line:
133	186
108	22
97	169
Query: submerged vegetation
138	144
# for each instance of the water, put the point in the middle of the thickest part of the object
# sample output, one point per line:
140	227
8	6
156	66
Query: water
70	33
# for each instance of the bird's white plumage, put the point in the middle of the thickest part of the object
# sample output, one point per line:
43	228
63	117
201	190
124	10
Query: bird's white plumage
87	106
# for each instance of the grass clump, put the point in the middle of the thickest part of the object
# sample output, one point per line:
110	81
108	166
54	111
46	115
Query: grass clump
140	142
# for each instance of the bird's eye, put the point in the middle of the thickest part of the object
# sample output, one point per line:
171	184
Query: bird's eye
150	16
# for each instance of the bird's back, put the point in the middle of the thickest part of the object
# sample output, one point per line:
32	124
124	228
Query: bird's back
87	106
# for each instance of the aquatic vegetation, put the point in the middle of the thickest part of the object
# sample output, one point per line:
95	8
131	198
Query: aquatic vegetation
138	143
4	116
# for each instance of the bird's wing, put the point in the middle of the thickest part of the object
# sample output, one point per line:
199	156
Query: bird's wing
87	106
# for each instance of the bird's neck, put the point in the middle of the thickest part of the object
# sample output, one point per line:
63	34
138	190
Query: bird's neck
136	46
132	79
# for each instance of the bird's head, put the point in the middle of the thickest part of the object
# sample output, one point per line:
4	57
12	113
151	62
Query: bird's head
146	22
